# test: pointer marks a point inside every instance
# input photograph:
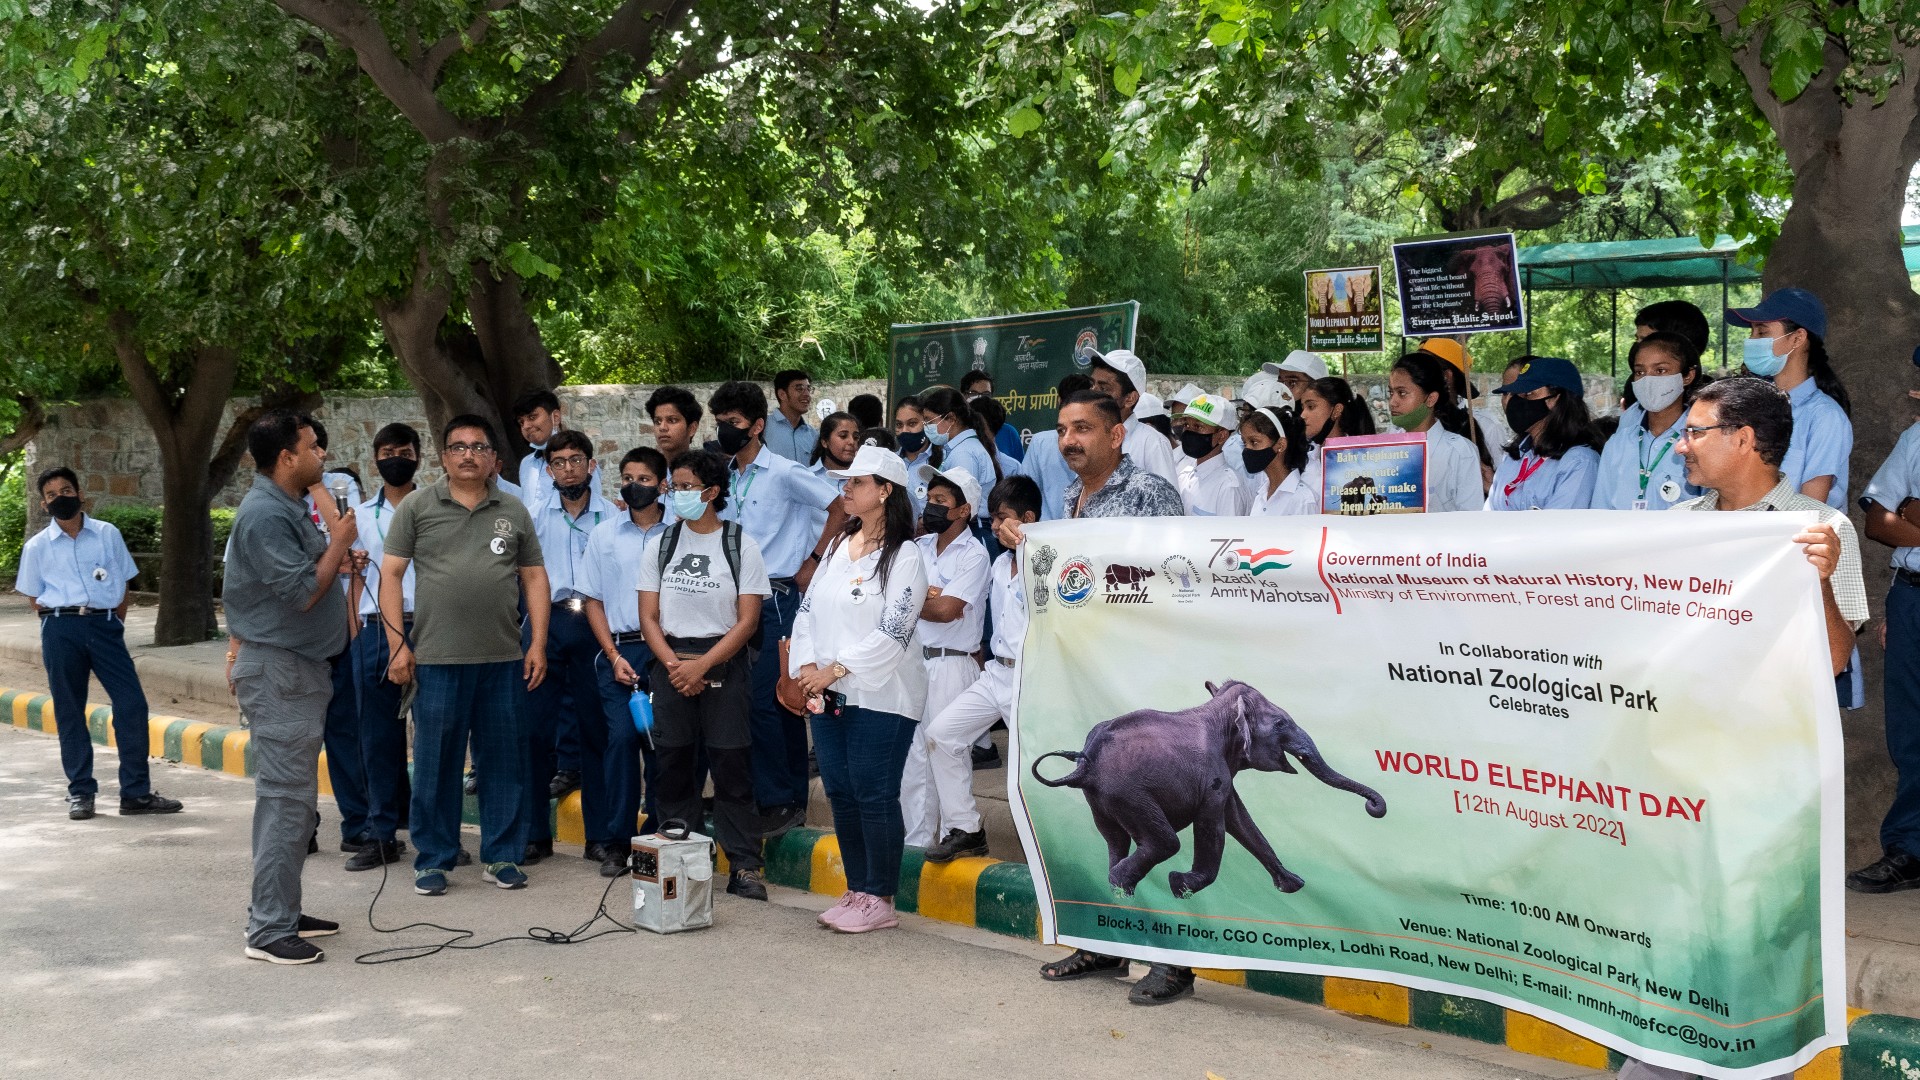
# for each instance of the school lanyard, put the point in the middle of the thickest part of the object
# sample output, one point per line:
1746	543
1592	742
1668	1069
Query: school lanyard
1646	467
742	483
1527	469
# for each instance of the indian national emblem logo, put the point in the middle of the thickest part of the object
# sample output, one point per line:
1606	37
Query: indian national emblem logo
1084	346
1247	560
1075	586
979	354
1179	571
1042	572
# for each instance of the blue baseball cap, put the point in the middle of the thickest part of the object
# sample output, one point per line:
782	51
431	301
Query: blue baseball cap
1797	306
1545	371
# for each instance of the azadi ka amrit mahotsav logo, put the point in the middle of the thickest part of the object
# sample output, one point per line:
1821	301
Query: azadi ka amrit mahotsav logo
1250	560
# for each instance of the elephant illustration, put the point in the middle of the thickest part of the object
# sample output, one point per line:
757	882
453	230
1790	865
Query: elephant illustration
1149	774
1489	275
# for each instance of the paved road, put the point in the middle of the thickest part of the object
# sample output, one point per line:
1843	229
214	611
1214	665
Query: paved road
120	954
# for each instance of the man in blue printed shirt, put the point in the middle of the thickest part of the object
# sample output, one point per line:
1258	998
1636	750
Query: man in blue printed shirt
774	500
76	570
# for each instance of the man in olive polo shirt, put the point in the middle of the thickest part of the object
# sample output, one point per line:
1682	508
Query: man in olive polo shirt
474	553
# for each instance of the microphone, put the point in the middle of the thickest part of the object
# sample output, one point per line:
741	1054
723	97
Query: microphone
341	486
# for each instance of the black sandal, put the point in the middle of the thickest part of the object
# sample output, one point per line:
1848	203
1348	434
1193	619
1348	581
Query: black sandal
1083	964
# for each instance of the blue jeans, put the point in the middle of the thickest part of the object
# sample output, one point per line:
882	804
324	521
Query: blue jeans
71	646
624	754
383	736
345	768
862	754
570	652
1900	830
779	737
453	702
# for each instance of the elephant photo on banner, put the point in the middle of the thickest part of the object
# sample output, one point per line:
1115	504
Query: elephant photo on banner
1465	283
1415	750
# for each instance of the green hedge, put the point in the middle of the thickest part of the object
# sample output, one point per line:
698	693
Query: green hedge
139	524
13	521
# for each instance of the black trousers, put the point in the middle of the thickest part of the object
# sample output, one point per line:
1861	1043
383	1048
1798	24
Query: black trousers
718	720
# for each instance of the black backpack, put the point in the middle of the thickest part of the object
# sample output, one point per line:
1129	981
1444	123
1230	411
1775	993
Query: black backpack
729	545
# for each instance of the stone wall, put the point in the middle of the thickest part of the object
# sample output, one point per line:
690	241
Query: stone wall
107	442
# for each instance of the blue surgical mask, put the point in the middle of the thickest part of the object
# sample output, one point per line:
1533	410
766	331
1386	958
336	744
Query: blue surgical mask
687	505
936	437
1757	353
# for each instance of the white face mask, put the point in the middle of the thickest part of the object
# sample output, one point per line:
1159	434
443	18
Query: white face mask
1656	392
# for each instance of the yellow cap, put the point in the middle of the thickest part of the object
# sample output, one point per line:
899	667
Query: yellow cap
1451	351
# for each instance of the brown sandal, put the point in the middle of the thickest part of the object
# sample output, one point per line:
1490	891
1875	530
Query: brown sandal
1083	964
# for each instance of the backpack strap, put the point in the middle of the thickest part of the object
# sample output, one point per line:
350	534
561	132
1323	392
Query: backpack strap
730	544
667	543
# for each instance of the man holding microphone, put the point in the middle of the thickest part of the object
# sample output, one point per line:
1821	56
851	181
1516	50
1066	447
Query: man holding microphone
288	617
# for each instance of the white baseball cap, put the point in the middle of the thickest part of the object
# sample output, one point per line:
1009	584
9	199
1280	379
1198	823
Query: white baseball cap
1124	362
1214	410
1272	394
1299	360
1149	405
874	460
1186	394
958	477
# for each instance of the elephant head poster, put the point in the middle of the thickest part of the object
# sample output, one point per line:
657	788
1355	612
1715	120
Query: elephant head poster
1460	284
1343	310
1420	750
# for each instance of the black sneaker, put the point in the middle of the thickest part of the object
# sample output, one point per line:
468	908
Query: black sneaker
781	822
313	843
311	927
470	784
79	807
374	856
353	846
536	850
1162	983
150	803
563	781
956	844
288	950
613	862
1896	870
747	884
594	852
463	858
986	757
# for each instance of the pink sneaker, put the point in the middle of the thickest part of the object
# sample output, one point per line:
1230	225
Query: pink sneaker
873	913
849	900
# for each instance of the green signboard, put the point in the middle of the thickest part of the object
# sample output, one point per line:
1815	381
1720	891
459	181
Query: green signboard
1027	355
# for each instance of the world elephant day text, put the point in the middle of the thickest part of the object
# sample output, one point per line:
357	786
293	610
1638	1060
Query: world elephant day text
1600	794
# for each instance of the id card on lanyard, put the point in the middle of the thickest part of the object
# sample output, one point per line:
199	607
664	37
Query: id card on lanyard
1670	491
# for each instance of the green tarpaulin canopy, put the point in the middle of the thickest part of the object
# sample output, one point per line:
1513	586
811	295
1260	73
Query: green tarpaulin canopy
1652	264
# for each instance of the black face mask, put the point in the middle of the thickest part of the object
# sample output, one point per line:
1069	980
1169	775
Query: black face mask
1196	444
934	519
1257	460
1523	413
397	471
571	492
64	507
1326	429
911	442
639	496
734	439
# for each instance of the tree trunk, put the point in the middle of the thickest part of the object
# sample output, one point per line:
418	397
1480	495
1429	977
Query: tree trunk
460	368
184	410
1841	241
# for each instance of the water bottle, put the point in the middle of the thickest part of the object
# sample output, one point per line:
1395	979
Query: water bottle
640	707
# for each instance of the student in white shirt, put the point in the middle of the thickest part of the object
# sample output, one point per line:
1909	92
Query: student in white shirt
950	628
1213	487
1422	402
1275	453
954	728
1330	409
856	655
1121	376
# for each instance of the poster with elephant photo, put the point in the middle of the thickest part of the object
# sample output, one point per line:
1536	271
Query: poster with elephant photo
1461	284
1343	310
1483	762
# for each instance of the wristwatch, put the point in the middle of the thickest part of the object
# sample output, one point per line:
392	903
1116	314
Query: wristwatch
840	670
